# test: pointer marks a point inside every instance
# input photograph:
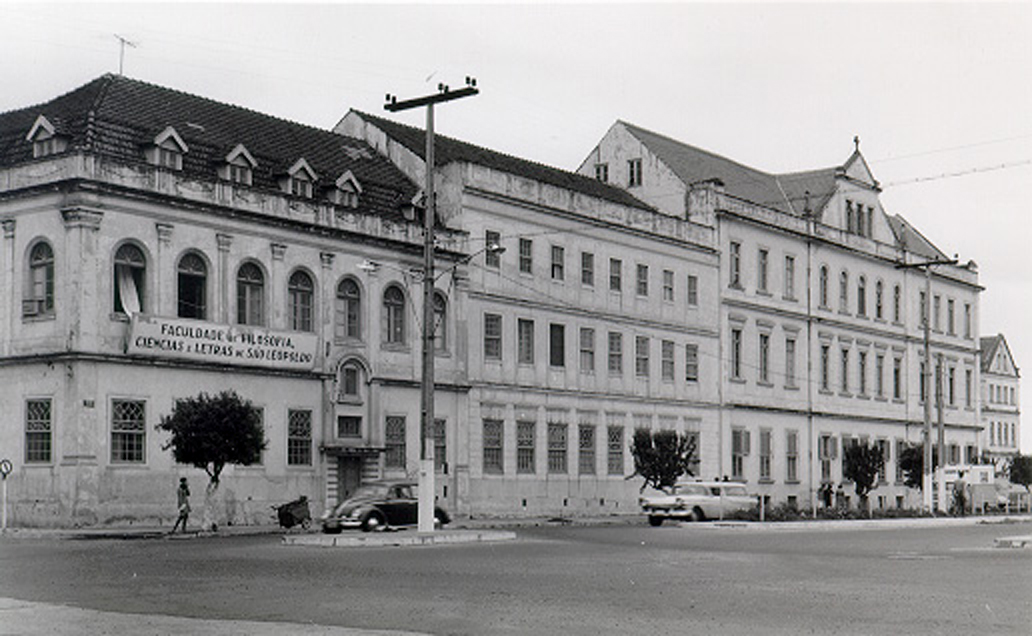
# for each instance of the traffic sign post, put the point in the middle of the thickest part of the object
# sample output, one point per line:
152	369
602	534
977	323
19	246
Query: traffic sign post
5	469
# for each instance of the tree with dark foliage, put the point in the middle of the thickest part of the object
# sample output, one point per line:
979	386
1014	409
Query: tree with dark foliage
911	461
209	432
861	464
661	457
1020	470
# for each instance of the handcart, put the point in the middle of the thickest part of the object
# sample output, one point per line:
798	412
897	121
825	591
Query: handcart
294	513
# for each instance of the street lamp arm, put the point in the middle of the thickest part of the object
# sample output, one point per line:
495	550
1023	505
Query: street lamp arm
493	248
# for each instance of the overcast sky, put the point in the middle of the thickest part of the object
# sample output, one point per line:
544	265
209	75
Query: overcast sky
940	95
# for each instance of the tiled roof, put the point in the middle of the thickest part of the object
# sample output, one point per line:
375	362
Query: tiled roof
784	192
914	242
989	345
117	117
448	150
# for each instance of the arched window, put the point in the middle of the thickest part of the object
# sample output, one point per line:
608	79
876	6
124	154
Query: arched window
250	295
192	287
844	291
440	323
823	298
861	296
878	303
347	319
349	383
130	273
394	315
39	295
299	300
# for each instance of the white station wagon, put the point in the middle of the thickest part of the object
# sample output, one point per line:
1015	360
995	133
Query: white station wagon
698	501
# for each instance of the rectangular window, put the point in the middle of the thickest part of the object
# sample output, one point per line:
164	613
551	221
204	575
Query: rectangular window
924	382
587	350
586	449
825	367
950	327
642	281
765	358
900	446
736	354
735	264
886	450
525	341
299	437
602	172
349	426
923	304
526	256
897	378
668	285
558	262
967	388
691	362
641	356
615	459
128	431
633	172
615	353
394	442
492	336
492	257
739	450
791	456
766	454
951	384
861	371
693	290
587	269
557	345
826	452
879	375
936	307
845	371
440	445
38	431
526	444
789	276
967	320
761	270
557	448
493	446
615	274
790	356
667	360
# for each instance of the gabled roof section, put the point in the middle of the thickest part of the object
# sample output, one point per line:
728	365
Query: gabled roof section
348	180
448	150
116	116
913	241
991	346
240	151
302	165
42	124
170	133
856	169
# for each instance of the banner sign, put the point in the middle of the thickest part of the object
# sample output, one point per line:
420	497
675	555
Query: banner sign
225	344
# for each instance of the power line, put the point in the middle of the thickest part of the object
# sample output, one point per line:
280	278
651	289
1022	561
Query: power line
961	173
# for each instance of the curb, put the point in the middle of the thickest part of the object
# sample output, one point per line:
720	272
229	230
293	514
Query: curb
382	539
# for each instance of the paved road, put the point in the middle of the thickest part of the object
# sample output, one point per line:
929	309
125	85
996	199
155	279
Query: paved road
579	580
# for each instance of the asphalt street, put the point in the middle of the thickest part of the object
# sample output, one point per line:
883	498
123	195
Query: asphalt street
621	579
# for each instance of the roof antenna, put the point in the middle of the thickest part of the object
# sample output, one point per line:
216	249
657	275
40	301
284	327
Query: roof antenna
856	142
123	42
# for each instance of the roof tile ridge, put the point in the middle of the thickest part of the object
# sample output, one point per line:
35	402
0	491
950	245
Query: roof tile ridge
698	149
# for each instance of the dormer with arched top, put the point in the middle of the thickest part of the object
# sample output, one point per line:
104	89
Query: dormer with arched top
238	166
299	179
166	150
346	190
46	138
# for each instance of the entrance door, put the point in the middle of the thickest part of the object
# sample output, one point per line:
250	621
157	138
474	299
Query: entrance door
349	476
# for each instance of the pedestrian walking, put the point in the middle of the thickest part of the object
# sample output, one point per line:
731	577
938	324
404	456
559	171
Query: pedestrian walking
183	502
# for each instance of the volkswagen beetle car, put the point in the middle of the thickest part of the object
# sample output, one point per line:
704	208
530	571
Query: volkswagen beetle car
697	501
379	505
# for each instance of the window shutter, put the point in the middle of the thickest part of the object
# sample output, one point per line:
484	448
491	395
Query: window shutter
834	447
745	442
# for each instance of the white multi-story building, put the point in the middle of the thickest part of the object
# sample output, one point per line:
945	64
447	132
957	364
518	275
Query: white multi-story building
821	329
1001	400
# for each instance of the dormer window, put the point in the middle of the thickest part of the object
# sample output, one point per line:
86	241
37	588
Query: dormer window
239	166
167	150
45	139
347	191
299	180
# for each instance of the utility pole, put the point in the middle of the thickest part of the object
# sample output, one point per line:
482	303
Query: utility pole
926	385
427	487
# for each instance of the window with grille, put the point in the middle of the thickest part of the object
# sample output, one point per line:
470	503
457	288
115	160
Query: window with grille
300	291
394	442
492	257
557	447
668	285
394	315
586	449
558	262
128	431
526	447
525	341
667	362
493	446
615	450
615	274
641	356
691	362
348	311
587	350
587	271
250	295
39	298
633	172
38	431
299	437
642	280
349	426
615	353
526	256
192	284
693	290
791	456
492	336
